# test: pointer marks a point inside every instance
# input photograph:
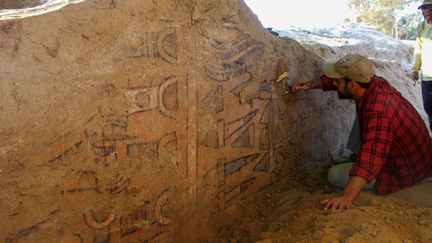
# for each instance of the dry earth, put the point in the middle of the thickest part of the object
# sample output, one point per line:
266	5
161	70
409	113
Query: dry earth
291	212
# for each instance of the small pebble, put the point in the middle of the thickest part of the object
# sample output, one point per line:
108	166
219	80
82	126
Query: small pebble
317	235
422	222
135	43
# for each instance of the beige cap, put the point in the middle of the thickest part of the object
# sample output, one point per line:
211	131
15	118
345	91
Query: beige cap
425	2
353	66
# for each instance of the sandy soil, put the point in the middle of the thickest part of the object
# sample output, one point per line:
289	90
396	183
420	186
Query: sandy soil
291	212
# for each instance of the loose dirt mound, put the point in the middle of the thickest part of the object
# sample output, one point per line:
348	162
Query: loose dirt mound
294	214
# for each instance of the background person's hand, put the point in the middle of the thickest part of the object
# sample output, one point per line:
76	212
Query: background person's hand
338	203
415	75
302	84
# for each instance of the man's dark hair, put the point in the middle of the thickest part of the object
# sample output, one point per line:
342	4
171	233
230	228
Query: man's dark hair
363	85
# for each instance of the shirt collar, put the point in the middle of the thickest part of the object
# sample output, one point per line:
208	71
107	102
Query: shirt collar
368	91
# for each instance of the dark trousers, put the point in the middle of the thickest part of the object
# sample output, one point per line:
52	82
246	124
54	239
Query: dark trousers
427	99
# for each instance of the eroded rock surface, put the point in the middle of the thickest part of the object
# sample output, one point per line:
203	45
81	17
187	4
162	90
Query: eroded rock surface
119	119
17	4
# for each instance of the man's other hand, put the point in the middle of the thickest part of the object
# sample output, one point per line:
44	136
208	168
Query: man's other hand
415	75
338	203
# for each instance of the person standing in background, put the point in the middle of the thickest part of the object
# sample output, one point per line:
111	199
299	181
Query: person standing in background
422	66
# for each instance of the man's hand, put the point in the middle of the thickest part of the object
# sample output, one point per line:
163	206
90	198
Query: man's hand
352	189
302	84
338	203
415	75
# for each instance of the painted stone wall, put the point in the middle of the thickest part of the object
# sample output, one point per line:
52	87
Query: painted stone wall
119	118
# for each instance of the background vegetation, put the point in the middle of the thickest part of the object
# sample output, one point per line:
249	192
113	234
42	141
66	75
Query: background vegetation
393	17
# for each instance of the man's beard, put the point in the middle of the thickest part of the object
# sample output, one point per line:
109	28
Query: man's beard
343	96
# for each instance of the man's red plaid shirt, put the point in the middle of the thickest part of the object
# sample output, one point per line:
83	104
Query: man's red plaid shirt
396	148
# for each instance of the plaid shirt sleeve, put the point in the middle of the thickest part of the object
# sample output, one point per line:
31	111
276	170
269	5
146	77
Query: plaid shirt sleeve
327	83
376	141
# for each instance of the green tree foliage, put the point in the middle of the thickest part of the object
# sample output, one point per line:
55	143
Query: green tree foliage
382	15
407	26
